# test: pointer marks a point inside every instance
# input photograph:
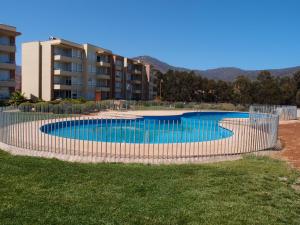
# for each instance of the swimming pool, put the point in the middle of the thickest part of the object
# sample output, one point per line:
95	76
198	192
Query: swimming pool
188	127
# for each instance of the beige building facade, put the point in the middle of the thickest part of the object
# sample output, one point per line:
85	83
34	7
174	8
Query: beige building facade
8	36
59	69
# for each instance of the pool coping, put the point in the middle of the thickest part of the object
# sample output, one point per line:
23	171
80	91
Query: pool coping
219	154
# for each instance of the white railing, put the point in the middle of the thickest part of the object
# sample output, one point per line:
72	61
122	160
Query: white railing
167	140
285	112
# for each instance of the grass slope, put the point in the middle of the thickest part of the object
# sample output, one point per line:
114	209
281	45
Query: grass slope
248	191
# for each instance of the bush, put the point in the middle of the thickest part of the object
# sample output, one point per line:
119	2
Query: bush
89	107
3	103
179	105
219	106
77	109
17	98
242	108
226	107
25	107
56	109
43	107
66	107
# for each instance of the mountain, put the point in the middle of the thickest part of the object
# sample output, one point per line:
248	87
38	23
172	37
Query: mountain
159	65
225	73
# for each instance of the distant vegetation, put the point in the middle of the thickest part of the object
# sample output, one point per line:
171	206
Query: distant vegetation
265	89
182	89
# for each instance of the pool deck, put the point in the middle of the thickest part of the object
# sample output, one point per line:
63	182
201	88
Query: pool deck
245	139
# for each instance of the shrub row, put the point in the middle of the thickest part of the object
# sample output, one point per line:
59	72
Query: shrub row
86	107
63	107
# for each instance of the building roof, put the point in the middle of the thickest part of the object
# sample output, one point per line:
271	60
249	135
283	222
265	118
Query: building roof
9	29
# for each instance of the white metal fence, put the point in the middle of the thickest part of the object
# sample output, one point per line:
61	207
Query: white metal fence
165	140
285	112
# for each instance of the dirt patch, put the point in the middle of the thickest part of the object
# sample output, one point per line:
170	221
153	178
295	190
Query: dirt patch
289	135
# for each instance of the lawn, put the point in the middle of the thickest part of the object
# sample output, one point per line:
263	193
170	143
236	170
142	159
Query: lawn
254	190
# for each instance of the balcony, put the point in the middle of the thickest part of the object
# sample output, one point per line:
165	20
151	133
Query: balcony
137	72
62	87
136	81
104	89
137	91
102	76
67	58
8	65
153	84
102	63
118	79
7	83
119	67
117	89
60	72
8	48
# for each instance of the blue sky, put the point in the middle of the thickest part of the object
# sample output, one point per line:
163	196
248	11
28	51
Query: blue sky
198	34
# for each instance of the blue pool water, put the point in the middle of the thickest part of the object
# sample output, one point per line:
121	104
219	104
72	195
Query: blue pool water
188	127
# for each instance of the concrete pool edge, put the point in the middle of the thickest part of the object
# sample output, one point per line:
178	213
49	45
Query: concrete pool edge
76	155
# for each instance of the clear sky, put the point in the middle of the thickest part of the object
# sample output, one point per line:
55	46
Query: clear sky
198	34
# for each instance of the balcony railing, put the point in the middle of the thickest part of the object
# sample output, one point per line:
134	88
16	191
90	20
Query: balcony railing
8	61
8	44
7	83
63	54
136	71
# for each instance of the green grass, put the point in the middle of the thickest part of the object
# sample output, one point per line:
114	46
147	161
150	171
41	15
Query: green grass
248	191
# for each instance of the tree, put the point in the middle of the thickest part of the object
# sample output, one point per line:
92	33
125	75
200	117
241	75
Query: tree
288	90
242	90
298	98
296	78
17	98
223	91
267	89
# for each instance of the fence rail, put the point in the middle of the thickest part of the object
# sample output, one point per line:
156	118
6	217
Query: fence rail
136	140
285	112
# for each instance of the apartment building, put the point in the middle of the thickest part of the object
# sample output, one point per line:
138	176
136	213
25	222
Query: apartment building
57	69
8	36
52	69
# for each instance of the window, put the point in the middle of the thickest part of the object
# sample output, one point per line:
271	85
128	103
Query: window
91	95
91	57
4	75
76	53
101	83
91	82
76	67
4	57
102	58
119	74
118	95
4	40
118	85
91	68
68	81
4	92
63	51
128	76
103	70
119	63
63	66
